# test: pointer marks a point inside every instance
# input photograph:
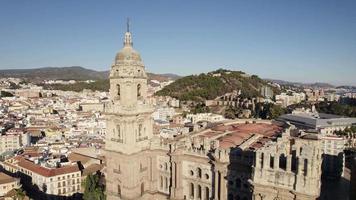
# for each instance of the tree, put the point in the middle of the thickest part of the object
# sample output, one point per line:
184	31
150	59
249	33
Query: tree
93	190
19	195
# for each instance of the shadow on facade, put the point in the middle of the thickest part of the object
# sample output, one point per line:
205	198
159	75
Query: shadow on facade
34	192
239	174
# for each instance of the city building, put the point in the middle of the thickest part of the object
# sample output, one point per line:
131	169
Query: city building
64	180
7	184
323	123
288	169
220	161
286	99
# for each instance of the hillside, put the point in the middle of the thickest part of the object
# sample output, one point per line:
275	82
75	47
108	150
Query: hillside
68	73
48	73
213	84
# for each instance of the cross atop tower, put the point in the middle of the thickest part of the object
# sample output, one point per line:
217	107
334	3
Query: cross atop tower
128	37
128	25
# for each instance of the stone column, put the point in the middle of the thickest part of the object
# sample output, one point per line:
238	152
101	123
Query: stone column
178	188
202	192
196	191
258	160
223	185
289	163
216	189
266	161
300	166
276	161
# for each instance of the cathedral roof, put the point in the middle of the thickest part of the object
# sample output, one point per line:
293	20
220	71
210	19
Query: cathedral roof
128	62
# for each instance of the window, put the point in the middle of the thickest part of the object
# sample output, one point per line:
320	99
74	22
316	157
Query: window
271	162
191	173
282	162
118	131
199	172
139	130
305	167
199	192
206	176
161	182
206	193
166	183
191	189
119	190
118	90
138	90
142	189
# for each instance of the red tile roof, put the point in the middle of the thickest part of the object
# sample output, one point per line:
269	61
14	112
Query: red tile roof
47	172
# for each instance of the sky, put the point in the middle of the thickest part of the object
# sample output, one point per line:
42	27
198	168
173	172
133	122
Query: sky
304	40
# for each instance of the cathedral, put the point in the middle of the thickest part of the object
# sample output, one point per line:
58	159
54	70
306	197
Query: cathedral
235	160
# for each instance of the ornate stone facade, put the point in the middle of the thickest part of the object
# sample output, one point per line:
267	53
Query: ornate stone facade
214	164
288	169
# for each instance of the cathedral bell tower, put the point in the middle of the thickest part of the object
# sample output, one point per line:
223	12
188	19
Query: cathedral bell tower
129	125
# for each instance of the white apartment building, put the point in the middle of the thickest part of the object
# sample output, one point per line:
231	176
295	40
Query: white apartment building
210	117
13	141
285	99
61	181
163	113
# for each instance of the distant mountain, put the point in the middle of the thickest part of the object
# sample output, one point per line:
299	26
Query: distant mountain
68	73
210	85
298	84
347	87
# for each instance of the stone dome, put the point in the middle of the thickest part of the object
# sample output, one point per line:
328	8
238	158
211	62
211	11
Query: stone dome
127	54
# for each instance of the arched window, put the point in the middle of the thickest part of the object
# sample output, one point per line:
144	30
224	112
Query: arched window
191	189
138	90
119	190
166	166
142	188
118	90
282	161
199	172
